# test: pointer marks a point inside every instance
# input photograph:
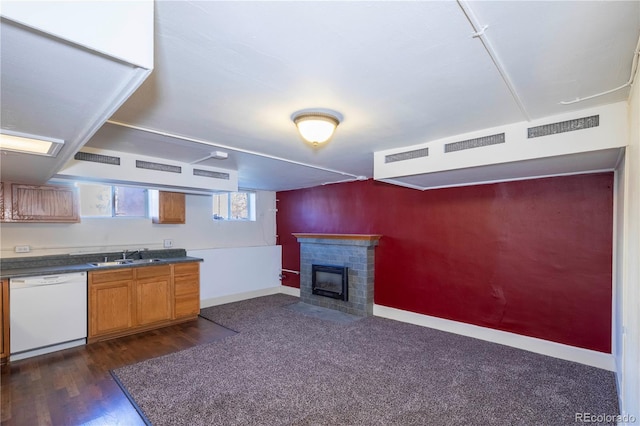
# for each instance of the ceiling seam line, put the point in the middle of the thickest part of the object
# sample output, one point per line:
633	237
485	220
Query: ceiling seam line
230	148
479	32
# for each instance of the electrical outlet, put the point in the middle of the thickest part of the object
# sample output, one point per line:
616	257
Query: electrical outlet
22	249
168	243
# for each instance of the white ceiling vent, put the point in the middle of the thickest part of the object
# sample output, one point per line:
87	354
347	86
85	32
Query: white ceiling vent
158	166
563	126
407	155
210	174
97	158
475	143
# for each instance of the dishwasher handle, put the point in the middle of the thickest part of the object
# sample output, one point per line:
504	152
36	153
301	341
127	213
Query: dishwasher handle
17	283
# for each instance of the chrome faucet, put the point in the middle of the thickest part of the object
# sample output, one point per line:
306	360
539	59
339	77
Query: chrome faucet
126	253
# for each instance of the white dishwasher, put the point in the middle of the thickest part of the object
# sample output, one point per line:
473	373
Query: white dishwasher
47	313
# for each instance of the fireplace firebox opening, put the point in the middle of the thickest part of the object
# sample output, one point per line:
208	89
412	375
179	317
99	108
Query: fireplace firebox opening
330	281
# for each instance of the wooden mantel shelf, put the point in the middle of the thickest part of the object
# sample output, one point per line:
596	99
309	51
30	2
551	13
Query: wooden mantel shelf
361	237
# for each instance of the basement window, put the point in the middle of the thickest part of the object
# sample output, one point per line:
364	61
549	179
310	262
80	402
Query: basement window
113	201
234	206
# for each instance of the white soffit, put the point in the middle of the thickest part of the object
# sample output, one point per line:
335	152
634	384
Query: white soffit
91	164
588	162
515	155
55	89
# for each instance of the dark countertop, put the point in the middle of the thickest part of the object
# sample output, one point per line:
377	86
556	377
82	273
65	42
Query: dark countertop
63	264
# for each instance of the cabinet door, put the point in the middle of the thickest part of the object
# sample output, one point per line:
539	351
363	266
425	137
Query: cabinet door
46	203
4	319
153	300
186	283
171	208
153	294
111	307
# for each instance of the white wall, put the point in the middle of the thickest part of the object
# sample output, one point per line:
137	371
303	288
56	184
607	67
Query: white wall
239	257
627	289
234	274
114	234
618	266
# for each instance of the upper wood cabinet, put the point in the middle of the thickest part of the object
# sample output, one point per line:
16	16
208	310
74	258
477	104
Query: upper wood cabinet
39	203
170	208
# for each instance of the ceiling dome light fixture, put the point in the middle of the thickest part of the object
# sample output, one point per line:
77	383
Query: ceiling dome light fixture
316	127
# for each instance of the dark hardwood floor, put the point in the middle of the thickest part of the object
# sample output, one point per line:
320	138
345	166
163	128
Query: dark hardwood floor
74	386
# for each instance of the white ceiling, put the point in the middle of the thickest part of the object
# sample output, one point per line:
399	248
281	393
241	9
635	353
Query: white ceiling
229	75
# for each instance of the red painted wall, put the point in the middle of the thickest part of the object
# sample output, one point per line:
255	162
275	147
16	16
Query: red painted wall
530	257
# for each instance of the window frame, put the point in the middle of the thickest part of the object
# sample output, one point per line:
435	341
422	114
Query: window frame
251	206
113	201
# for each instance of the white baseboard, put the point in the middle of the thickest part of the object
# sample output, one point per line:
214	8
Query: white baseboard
532	344
236	297
291	291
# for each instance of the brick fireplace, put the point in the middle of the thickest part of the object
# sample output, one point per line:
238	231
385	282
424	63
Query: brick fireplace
351	253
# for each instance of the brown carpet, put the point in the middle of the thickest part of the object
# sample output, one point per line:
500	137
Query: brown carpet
287	368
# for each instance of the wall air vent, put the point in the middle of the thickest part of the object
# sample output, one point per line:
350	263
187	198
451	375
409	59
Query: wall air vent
157	166
210	174
407	155
563	126
97	158
474	143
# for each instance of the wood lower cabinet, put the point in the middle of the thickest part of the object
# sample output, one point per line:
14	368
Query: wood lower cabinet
4	321
111	307
153	294
186	281
130	300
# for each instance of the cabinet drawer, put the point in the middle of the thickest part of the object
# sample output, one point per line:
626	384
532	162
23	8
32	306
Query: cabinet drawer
186	307
108	276
186	268
187	295
152	271
187	285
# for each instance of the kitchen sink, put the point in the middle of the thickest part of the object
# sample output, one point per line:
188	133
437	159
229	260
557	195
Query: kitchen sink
113	262
138	261
125	262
